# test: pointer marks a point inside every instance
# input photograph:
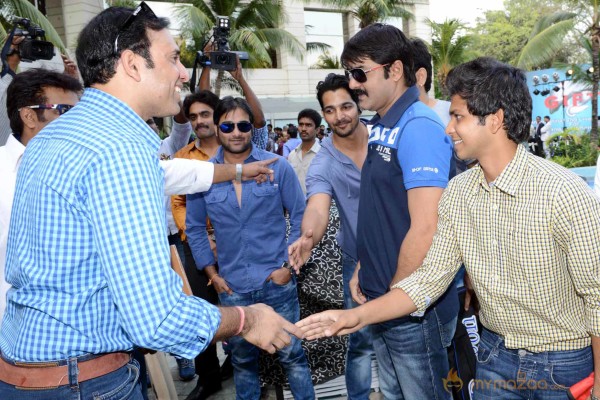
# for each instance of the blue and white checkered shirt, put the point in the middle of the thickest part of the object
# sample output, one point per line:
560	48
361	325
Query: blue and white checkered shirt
88	257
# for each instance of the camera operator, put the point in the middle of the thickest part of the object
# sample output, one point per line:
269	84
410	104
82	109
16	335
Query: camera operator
13	59
260	132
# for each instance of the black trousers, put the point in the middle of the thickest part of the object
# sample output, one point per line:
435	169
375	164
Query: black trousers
207	362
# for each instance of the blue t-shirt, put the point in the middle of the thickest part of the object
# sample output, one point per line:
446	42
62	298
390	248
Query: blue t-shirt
407	149
333	173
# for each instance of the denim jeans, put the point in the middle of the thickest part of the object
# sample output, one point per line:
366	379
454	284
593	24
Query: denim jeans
118	385
519	374
244	356
360	344
412	356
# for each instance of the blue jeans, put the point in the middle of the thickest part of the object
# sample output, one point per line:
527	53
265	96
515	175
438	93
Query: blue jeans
360	344
244	356
118	385
519	374
412	356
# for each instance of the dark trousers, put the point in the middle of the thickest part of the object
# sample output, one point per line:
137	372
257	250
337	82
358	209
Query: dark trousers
207	362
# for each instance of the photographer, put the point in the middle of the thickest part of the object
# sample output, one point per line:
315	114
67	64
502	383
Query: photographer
13	59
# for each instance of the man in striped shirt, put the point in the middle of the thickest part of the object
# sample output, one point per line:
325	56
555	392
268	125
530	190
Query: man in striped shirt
87	257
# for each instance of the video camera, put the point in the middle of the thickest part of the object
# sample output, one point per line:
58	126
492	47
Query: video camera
32	49
222	57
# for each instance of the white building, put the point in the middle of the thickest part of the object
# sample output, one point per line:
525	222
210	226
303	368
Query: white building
290	87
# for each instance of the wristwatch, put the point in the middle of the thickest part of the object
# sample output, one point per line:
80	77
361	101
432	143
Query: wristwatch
287	266
238	173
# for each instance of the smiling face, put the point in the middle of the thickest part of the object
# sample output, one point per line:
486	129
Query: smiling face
472	139
340	112
163	83
235	142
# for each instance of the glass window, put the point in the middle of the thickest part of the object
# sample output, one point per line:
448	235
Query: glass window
324	27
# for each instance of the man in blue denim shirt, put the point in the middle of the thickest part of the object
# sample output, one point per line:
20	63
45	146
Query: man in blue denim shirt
250	231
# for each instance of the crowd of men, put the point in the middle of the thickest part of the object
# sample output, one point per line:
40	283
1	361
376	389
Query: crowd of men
94	197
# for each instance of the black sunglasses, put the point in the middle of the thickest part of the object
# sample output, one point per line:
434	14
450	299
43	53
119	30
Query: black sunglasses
61	108
360	75
142	8
228	126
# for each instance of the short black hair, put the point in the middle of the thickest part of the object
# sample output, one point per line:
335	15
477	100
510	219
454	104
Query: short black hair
333	82
547	116
96	57
27	89
383	44
488	85
202	96
312	114
293	131
422	59
228	104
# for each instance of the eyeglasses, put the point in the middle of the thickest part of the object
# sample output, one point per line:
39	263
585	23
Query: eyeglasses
228	126
360	75
61	108
142	8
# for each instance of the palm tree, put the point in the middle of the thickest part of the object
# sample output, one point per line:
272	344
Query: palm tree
9	9
327	61
585	22
448	48
370	11
255	28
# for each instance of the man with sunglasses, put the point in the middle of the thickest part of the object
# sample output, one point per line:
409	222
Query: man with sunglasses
408	165
87	259
250	232
35	98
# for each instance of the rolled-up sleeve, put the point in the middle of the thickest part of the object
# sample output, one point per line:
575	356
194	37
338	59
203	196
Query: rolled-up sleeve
577	229
441	263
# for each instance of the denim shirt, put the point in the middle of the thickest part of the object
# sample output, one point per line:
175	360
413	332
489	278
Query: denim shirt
251	240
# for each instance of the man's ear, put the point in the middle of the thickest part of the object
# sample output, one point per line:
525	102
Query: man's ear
397	70
28	117
131	64
496	120
421	77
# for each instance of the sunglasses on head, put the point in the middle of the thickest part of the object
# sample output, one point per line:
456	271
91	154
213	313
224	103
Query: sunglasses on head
359	74
142	8
61	108
228	126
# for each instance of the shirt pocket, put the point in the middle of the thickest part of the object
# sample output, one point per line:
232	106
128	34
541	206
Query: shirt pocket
267	205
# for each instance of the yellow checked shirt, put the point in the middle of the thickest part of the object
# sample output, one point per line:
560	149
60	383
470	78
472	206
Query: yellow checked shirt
531	246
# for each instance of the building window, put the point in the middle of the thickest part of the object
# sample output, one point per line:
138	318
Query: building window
324	27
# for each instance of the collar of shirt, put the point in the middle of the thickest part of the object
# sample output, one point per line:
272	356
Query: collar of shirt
101	102
14	152
219	158
391	118
314	149
509	179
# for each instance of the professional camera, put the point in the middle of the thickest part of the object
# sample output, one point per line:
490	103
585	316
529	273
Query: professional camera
223	58
32	49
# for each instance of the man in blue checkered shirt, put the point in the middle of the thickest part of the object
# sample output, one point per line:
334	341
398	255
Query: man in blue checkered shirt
88	259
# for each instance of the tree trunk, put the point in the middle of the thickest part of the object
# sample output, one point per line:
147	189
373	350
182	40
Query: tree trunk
219	83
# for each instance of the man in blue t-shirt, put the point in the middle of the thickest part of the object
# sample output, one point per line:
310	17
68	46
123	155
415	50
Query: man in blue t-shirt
408	165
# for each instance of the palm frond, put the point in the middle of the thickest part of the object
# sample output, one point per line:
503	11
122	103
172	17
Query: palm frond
544	46
317	47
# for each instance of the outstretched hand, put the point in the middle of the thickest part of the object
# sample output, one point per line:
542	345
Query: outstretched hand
299	252
259	171
330	323
268	330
